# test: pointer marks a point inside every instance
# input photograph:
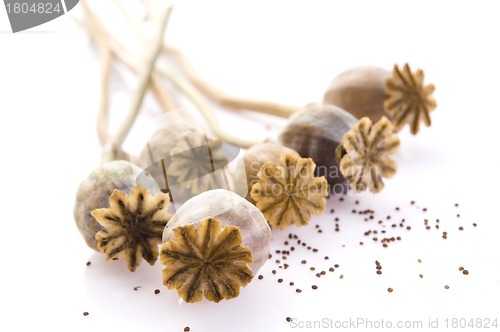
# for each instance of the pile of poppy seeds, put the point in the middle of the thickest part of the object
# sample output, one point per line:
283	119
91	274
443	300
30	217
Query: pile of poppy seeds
386	231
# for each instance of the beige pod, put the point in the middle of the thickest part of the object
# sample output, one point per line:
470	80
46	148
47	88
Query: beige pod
213	245
246	168
121	212
315	132
94	193
360	91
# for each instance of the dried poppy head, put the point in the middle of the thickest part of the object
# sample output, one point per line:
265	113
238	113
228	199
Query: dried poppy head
213	245
373	92
288	192
118	225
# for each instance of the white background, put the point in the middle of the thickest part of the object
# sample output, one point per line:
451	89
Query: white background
280	51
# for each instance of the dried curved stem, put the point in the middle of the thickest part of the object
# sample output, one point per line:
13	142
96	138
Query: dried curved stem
107	43
222	98
145	77
103	116
184	86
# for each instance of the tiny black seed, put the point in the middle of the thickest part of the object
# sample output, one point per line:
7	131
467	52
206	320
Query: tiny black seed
314	287
288	319
85	313
157	291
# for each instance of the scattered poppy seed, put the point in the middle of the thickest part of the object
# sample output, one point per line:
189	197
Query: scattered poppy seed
312	268
389	290
379	272
465	272
424	209
341	276
327	258
314	287
419	260
446	287
273	271
421	276
88	263
85	313
288	319
303	261
298	290
336	266
461	268
261	277
187	329
474	224
280	280
136	287
458	215
292	283
331	269
460	228
157	291
315	250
